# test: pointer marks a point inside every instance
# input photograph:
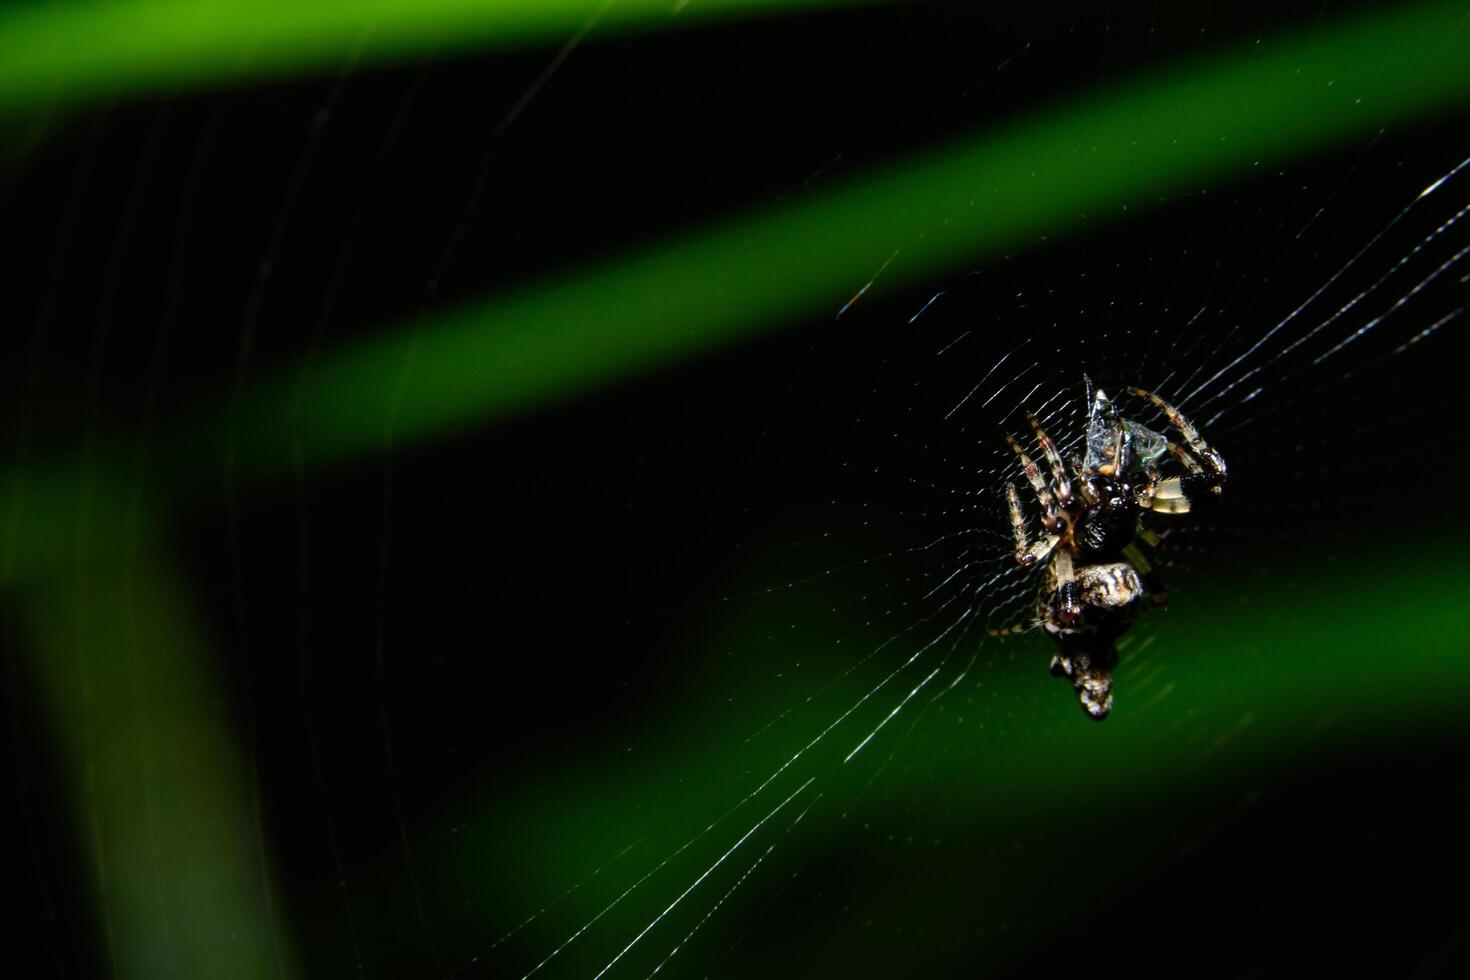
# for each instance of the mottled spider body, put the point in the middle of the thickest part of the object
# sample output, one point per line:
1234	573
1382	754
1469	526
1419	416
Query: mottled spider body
1098	580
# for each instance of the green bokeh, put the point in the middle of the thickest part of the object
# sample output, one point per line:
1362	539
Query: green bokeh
1313	659
1097	156
61	52
181	875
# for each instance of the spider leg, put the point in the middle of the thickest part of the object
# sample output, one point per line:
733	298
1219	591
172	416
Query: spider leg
1169	496
1088	496
1050	519
1027	553
1024	626
1186	458
1211	475
1034	476
1053	461
1068	607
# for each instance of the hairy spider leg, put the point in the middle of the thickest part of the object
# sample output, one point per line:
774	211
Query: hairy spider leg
1084	486
1053	461
1170	496
1027	553
1212	460
1024	626
1049	518
1164	504
1069	608
1186	457
1167	496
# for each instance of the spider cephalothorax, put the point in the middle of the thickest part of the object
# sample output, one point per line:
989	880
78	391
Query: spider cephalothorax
1098	580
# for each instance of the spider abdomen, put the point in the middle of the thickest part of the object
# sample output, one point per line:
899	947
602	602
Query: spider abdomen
1114	587
1103	599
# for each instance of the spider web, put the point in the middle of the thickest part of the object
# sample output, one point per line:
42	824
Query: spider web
691	677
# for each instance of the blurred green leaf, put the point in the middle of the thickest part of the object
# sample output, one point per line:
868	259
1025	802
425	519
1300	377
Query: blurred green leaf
182	880
1325	658
1129	146
61	52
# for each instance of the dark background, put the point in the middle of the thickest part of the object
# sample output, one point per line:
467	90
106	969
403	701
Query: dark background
520	599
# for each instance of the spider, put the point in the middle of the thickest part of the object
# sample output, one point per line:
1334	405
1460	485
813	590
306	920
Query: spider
1092	521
